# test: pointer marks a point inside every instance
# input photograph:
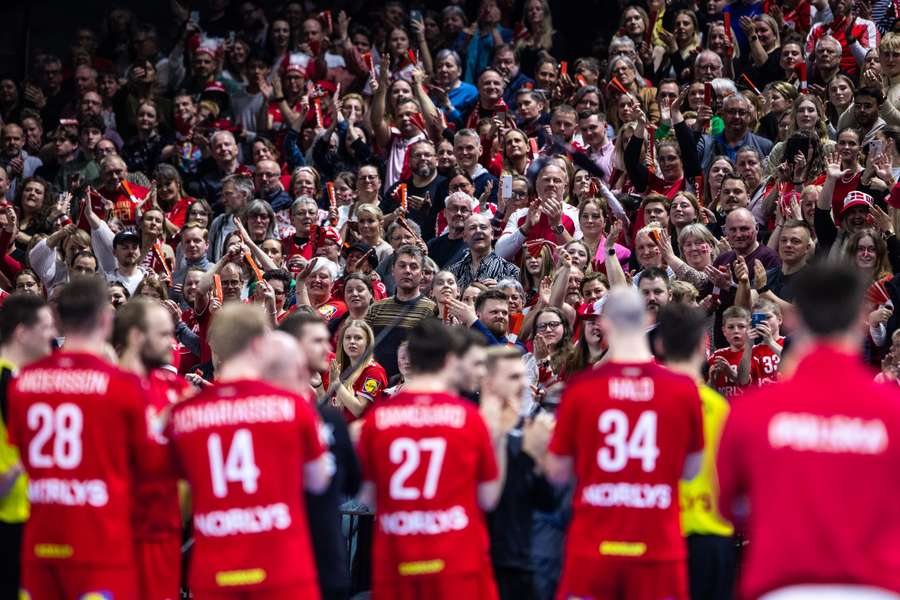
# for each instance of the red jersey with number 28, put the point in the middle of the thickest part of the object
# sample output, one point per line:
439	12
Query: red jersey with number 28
629	428
426	453
242	446
78	422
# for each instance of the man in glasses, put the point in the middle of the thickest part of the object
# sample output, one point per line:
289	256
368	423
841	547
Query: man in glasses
737	134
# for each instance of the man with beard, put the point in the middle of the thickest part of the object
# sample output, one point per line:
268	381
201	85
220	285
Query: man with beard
749	165
481	263
736	114
656	290
194	245
490	316
450	247
402	311
425	189
863	113
142	335
289	364
123	263
592	126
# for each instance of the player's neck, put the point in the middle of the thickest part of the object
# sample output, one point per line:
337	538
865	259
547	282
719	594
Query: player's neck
14	355
426	382
237	369
630	349
132	363
86	344
687	367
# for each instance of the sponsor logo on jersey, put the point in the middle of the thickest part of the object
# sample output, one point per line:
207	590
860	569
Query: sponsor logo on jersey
104	595
424	522
53	551
370	385
68	492
421	567
327	310
236	521
242	577
838	434
629	495
614	548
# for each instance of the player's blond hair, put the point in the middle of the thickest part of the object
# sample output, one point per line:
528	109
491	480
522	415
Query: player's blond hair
234	327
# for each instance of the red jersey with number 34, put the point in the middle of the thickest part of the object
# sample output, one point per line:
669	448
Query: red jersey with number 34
78	422
628	428
242	446
426	453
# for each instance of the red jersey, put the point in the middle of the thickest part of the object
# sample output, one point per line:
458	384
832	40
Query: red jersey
370	385
629	428
426	453
729	388
79	424
242	446
766	360
332	310
817	457
157	512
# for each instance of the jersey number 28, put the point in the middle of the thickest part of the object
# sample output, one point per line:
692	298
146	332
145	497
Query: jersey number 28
64	425
623	443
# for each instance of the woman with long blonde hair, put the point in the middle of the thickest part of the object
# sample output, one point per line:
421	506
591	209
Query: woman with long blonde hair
366	383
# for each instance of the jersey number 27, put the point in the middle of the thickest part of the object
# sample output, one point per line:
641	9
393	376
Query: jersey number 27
407	452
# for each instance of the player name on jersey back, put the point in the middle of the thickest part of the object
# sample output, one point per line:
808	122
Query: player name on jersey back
426	454
242	446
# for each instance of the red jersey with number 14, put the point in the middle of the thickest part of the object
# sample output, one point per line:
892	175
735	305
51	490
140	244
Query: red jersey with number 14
79	424
629	428
426	453
242	446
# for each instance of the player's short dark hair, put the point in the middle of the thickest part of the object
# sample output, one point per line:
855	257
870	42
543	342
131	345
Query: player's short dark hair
297	321
131	315
828	298
680	328
430	342
651	273
870	92
81	302
492	294
18	310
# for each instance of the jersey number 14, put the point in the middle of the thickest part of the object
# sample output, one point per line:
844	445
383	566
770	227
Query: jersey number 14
239	466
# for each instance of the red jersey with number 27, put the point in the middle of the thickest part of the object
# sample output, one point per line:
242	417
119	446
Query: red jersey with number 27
242	446
78	422
426	453
628	428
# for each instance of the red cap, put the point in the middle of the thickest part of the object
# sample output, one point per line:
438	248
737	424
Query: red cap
856	198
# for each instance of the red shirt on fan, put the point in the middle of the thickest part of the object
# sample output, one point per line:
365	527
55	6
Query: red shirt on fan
766	362
157	512
426	453
728	388
629	428
817	457
242	446
78	422
370	384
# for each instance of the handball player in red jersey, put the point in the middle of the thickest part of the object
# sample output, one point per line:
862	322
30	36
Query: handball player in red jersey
142	336
78	422
809	465
429	469
248	450
627	431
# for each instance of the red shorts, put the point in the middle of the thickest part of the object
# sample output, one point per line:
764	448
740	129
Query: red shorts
42	581
159	568
446	587
306	591
618	579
